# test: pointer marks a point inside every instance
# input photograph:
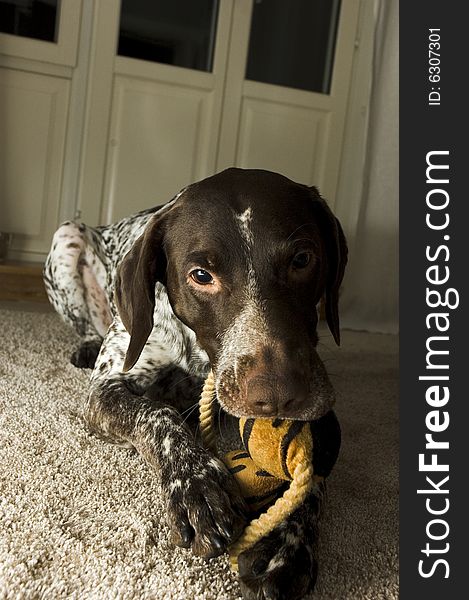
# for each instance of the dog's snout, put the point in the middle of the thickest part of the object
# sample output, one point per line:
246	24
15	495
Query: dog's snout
276	381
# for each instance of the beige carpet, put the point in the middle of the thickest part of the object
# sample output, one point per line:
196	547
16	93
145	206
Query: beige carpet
83	519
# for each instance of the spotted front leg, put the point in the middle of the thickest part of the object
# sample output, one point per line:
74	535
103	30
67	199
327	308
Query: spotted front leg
205	509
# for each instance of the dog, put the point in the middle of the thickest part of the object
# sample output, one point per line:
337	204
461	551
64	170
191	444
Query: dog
226	276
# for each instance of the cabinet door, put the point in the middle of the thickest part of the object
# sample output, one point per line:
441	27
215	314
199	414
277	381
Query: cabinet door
167	93
287	86
33	111
38	47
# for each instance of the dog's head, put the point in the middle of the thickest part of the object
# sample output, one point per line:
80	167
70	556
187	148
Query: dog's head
245	256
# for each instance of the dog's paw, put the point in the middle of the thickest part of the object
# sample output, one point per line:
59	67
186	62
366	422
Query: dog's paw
205	508
85	356
281	566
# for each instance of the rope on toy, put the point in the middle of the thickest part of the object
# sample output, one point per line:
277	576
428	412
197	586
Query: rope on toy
292	499
303	479
206	414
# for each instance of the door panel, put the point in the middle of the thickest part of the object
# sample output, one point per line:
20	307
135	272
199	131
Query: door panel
33	115
160	142
285	138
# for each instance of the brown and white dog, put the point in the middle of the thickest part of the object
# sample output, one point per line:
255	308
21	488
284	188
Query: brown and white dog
226	276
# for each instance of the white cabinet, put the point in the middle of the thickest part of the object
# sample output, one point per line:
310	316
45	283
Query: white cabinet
149	96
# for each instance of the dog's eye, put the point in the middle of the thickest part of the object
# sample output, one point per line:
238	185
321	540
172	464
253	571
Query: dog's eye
201	276
301	260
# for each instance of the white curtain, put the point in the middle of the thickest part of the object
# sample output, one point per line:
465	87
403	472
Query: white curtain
369	299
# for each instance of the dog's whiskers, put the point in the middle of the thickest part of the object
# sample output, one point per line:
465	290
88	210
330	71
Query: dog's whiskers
219	422
180	380
190	411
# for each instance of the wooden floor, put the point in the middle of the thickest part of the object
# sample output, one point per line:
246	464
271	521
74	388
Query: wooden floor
22	282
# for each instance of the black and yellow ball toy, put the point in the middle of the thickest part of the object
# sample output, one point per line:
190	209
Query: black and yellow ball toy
282	460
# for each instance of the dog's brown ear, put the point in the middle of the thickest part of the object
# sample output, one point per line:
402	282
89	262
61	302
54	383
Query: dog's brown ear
141	268
336	252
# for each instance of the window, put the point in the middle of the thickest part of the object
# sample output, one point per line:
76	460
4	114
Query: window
30	18
177	32
292	43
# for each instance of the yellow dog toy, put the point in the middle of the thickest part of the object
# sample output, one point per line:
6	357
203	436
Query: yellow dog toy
275	452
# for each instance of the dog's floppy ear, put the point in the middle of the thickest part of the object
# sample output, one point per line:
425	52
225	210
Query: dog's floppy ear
336	252
141	268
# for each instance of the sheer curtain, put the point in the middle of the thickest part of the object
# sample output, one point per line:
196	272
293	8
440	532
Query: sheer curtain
369	299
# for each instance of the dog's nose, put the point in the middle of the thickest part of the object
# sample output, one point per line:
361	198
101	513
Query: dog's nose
265	407
272	396
259	395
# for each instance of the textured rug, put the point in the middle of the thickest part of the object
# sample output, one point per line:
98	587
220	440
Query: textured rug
83	519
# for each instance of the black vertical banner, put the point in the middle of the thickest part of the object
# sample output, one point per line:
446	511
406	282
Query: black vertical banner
434	265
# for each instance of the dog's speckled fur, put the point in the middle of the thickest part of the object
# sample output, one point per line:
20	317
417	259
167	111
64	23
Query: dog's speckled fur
148	366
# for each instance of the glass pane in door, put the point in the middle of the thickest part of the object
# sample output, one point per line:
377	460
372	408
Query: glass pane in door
30	18
174	32
292	43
